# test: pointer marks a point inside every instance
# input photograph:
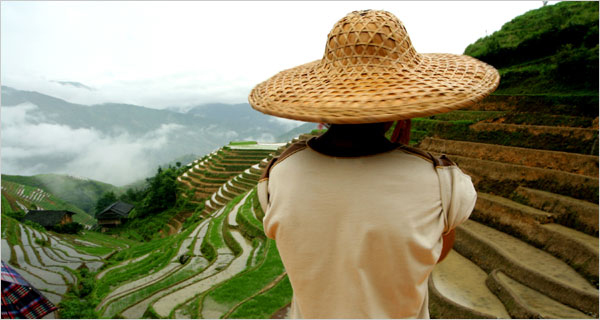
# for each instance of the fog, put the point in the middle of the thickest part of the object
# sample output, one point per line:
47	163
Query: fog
117	159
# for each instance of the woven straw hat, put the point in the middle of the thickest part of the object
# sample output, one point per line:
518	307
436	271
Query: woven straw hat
370	72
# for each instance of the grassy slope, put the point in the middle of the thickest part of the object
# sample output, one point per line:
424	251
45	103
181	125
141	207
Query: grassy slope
48	202
550	50
82	193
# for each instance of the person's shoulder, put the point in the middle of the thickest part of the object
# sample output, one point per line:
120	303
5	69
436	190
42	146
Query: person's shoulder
291	150
437	161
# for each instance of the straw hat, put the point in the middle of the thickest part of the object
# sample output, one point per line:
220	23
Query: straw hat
370	72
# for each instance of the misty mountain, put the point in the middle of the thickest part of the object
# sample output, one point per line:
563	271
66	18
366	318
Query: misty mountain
74	84
114	142
304	128
81	192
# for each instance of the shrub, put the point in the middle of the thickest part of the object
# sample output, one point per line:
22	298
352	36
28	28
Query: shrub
42	242
69	228
72	307
34	225
208	251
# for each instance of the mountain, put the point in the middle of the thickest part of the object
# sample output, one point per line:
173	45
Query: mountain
80	192
305	128
74	84
117	143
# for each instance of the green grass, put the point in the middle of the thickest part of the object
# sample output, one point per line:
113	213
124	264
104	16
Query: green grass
459	130
556	103
215	237
264	305
155	261
248	223
227	237
96	251
47	202
10	230
124	302
171	247
162	251
258	209
81	193
107	240
6	208
548	120
538	51
224	176
250	282
538	26
466	115
241	143
208	251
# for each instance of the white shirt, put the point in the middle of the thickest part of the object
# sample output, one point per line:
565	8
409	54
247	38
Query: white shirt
359	236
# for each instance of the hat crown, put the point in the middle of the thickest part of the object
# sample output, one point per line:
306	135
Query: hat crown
369	38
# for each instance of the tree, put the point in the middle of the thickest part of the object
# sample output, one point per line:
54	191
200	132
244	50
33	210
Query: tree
161	193
105	200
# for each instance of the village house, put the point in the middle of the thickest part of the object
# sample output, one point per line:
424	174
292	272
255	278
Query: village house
114	215
49	218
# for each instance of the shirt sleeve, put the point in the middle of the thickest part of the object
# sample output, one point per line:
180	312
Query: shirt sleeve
458	196
262	191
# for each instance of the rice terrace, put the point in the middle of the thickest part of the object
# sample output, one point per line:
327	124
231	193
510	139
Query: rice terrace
529	250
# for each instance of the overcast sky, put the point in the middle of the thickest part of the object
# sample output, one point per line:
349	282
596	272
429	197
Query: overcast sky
159	54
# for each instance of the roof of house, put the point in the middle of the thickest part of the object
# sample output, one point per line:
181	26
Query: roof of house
116	210
47	218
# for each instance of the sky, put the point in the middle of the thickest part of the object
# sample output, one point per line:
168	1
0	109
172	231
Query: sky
162	54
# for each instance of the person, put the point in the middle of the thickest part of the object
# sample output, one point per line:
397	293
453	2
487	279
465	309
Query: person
361	221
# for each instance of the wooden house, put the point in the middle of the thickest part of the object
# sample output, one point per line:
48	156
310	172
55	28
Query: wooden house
49	218
114	215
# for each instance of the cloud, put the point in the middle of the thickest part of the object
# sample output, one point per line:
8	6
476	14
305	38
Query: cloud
118	159
160	54
288	123
263	138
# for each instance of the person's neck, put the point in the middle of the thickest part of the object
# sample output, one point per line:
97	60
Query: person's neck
353	140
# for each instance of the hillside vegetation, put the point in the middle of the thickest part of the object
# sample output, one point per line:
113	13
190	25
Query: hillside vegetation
80	192
553	49
16	198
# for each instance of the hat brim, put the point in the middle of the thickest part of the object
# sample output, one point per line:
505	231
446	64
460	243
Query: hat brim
315	92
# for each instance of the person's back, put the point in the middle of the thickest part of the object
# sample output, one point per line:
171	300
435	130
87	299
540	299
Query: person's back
359	236
359	221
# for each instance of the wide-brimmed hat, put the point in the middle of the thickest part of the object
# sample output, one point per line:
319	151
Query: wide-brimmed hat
370	72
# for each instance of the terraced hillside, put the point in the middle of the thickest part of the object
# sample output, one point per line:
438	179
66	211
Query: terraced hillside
530	248
20	197
50	262
217	178
221	266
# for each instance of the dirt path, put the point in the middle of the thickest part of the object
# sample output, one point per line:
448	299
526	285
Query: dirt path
283	313
470	291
